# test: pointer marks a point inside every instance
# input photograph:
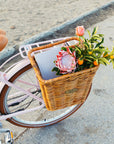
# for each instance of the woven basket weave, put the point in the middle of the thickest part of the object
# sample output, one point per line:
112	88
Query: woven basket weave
66	90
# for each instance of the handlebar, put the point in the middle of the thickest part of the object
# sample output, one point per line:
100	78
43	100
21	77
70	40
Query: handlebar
3	39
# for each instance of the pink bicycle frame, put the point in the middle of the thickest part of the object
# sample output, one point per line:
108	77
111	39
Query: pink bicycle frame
4	78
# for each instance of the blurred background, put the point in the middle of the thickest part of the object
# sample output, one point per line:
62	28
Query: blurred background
22	19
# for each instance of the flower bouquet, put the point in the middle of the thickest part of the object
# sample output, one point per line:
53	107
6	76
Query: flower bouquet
76	66
86	54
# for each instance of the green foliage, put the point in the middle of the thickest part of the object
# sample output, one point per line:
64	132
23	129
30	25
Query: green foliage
98	44
57	71
64	48
94	31
91	50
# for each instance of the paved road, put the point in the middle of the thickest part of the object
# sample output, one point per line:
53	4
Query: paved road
93	123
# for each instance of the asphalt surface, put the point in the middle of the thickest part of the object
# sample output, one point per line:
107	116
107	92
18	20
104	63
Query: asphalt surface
93	123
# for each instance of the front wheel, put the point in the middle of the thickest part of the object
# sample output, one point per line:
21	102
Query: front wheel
15	101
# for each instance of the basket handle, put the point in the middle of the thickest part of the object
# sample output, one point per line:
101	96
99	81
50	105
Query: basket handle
51	45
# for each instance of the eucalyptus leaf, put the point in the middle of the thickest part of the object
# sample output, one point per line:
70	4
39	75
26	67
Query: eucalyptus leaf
90	57
101	35
89	60
86	44
97	45
104	60
94	31
78	49
89	33
96	38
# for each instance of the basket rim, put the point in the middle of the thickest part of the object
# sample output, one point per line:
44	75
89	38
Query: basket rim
51	45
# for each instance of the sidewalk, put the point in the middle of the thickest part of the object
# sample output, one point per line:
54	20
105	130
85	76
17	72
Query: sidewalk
93	123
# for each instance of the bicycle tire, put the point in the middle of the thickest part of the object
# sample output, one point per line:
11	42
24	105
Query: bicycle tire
28	124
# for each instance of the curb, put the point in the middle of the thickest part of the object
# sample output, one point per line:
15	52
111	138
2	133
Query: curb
87	20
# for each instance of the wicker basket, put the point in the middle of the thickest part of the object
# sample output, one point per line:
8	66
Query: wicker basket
66	90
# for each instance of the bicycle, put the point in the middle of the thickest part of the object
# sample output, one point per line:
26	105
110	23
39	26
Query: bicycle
26	107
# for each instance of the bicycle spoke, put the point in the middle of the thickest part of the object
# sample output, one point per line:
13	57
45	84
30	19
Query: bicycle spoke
21	101
26	104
